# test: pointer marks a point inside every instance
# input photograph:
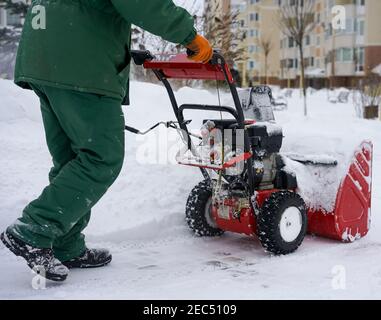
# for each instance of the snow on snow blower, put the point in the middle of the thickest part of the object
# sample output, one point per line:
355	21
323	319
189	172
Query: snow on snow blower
249	187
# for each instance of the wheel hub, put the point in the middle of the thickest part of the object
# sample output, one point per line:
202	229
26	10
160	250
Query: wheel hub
291	224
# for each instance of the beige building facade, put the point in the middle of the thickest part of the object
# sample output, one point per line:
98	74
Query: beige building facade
263	31
257	18
240	7
335	55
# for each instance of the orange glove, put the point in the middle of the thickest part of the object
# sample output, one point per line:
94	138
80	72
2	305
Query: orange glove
203	52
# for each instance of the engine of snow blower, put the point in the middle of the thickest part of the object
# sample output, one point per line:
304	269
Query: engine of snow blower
232	205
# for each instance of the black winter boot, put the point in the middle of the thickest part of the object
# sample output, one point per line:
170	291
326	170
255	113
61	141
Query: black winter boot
91	258
36	258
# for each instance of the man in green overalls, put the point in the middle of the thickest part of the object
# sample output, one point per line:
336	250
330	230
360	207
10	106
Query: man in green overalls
77	62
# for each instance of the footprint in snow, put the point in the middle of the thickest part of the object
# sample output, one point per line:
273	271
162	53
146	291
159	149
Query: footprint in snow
149	267
233	259
222	253
217	264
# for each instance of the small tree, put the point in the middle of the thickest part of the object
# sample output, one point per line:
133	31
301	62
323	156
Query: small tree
266	47
219	31
368	96
296	21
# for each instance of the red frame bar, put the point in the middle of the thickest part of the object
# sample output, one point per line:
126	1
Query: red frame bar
180	67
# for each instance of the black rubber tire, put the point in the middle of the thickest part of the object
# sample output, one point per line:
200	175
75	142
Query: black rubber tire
268	222
195	211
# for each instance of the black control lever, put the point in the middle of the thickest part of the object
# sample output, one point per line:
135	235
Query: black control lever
190	53
140	56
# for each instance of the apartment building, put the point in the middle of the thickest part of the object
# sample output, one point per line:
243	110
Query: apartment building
355	50
335	56
257	18
314	52
263	28
240	7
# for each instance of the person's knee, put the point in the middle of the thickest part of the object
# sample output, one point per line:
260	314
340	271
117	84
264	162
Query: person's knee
103	167
116	166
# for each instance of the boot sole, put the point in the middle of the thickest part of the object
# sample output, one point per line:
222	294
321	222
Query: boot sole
89	266
17	253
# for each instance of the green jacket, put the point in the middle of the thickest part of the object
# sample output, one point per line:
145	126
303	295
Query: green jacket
86	43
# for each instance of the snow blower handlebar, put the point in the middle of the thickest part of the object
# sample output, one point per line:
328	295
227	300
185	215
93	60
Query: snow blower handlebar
180	67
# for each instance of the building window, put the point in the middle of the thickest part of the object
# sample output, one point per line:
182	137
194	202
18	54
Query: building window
290	42
254	33
347	54
308	40
291	63
254	1
344	54
359	58
359	27
254	16
360	2
253	48
251	64
13	19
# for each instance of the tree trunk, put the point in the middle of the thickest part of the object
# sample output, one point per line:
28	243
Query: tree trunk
333	60
302	78
266	80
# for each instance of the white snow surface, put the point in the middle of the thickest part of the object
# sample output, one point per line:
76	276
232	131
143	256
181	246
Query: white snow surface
141	218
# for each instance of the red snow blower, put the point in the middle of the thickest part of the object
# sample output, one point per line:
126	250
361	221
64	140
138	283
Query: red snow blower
247	188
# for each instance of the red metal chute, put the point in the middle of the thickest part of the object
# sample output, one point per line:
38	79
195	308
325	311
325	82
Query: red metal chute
351	217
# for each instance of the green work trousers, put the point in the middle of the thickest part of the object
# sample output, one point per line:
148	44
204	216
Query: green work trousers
85	137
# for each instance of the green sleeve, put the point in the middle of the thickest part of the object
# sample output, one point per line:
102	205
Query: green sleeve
160	17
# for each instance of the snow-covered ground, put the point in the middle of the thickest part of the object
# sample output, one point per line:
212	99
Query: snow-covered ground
141	219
